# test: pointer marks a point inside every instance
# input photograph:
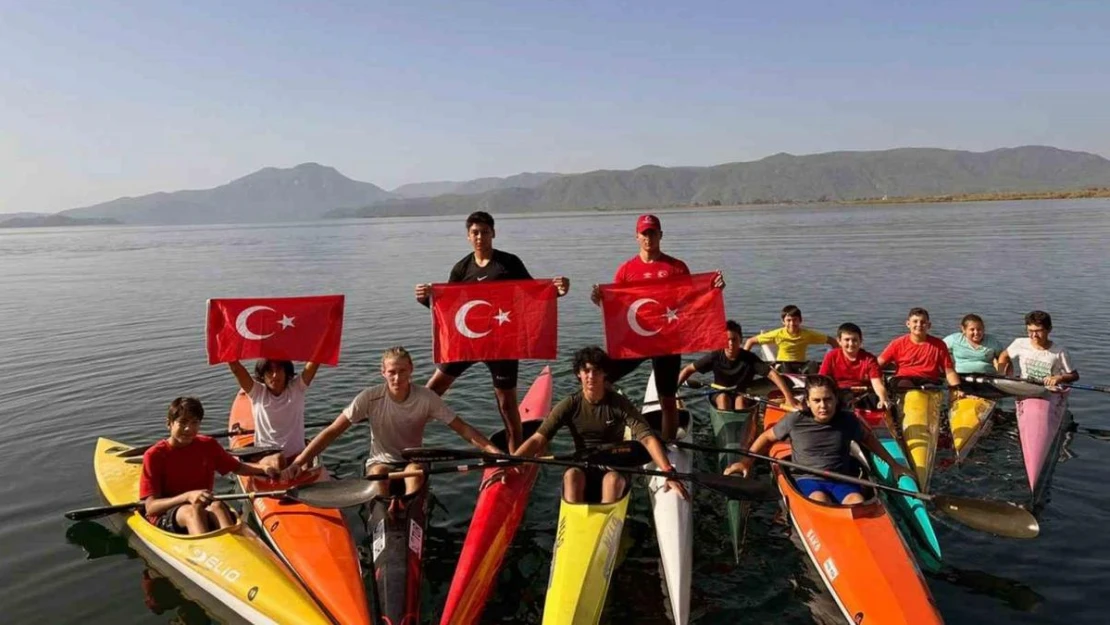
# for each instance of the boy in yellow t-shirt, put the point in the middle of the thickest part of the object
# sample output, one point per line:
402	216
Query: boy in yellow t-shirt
792	340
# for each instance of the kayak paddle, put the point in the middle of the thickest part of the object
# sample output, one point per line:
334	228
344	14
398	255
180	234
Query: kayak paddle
1001	518
1082	387
132	452
623	457
345	493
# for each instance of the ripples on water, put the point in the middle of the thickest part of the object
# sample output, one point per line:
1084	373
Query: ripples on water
104	326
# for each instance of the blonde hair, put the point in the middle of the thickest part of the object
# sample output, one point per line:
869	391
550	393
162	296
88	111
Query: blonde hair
396	353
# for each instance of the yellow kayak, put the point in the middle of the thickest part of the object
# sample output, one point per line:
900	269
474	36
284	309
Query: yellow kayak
586	547
920	428
969	419
233	564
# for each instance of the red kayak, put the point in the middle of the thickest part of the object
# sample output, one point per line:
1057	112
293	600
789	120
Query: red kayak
496	517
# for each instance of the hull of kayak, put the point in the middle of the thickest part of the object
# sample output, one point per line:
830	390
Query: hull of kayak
969	419
673	515
587	542
395	527
909	512
233	564
300	533
1041	427
497	515
858	553
920	412
732	430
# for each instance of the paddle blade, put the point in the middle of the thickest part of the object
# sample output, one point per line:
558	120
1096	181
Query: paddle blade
736	487
1000	518
334	493
85	514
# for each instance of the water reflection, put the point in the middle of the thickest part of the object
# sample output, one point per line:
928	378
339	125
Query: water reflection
160	595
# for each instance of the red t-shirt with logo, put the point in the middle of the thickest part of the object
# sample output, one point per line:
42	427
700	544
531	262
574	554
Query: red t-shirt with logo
848	373
635	270
918	360
169	471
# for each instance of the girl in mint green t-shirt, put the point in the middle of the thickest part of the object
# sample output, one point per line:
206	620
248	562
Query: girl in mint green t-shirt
973	349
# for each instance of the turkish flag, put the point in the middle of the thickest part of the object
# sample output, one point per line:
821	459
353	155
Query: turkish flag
281	328
497	320
676	315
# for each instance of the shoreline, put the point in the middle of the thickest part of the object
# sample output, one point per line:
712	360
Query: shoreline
1011	196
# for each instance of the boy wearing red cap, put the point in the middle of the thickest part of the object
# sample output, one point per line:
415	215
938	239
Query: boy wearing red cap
652	264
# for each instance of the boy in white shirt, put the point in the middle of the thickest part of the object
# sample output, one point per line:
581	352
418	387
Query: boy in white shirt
1039	359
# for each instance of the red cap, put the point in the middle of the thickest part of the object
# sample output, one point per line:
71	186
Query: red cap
648	222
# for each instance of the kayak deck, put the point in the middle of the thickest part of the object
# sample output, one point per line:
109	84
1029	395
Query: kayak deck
395	526
1042	424
233	564
920	412
673	515
587	542
910	513
497	515
299	533
969	419
732	430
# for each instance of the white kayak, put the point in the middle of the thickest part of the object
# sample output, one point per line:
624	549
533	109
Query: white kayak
674	516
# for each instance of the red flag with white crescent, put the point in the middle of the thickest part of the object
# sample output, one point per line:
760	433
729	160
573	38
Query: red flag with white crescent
495	320
281	328
677	315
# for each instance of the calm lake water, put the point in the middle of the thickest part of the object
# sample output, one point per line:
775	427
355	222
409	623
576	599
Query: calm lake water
102	327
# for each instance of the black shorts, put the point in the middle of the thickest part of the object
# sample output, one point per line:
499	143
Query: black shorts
503	372
666	372
168	521
594	477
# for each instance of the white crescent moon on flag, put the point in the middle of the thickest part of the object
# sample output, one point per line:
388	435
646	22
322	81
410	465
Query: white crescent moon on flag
460	319
241	323
633	322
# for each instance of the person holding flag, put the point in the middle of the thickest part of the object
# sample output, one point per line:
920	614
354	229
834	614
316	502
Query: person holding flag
651	265
486	264
277	331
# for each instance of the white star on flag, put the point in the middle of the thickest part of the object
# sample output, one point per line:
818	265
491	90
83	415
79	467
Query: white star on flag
502	316
287	322
672	315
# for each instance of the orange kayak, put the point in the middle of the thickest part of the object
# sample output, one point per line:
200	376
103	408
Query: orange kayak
314	542
858	552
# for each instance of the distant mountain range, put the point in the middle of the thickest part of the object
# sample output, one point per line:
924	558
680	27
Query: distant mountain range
834	176
268	195
526	180
311	191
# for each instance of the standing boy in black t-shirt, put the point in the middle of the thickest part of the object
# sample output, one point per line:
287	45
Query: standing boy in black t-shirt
736	367
486	263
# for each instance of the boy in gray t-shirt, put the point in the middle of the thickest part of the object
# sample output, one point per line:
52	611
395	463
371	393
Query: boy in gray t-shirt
397	412
820	437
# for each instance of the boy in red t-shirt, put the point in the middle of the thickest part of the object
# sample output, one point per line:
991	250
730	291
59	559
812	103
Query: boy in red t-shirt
179	472
918	355
852	366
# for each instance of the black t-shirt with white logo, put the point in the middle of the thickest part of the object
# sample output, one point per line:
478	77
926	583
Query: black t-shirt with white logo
501	266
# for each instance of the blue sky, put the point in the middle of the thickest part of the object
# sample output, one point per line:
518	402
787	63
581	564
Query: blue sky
104	99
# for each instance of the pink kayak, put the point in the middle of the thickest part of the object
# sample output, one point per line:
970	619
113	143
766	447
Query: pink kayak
1042	423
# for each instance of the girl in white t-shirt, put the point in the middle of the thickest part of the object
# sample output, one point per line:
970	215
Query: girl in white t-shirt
277	403
1038	358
